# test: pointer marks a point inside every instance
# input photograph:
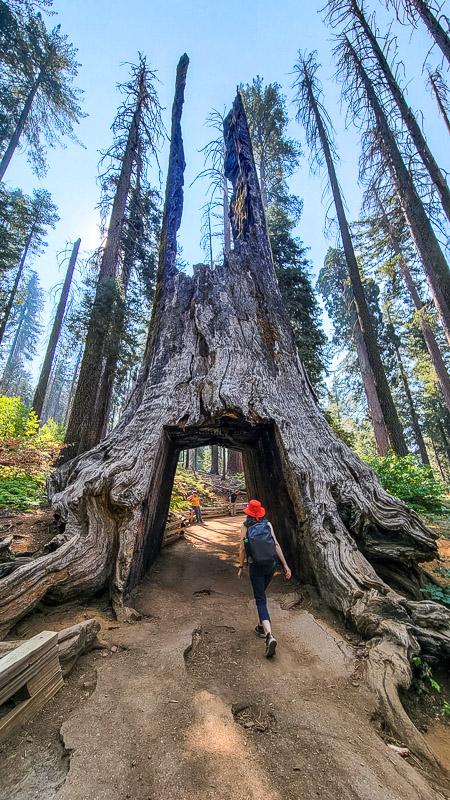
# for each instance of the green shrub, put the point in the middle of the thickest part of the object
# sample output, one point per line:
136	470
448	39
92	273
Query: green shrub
439	592
410	481
27	453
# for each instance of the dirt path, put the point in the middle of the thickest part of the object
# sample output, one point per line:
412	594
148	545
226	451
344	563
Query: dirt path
187	707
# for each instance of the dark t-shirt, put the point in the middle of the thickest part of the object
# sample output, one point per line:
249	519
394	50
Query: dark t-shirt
233	497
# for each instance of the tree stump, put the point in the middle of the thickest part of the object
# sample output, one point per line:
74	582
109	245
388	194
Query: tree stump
221	368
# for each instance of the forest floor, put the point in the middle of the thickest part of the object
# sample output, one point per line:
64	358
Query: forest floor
183	705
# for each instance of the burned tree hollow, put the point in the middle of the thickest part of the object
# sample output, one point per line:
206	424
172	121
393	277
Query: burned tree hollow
221	367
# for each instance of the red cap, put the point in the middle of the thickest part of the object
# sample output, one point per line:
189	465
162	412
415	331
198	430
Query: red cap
255	509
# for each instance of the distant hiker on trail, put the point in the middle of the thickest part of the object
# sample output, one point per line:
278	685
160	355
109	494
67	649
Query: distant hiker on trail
194	500
259	545
232	500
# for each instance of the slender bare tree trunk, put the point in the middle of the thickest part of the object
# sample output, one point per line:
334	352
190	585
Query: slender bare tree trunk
407	115
370	389
432	257
438	462
439	35
21	124
13	292
39	395
73	385
385	397
421	315
95	382
439	102
412	410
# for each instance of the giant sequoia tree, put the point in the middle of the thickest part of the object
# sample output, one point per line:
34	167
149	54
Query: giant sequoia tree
220	367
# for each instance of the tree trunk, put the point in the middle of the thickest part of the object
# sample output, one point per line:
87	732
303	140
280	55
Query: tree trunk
13	292
439	102
4	164
262	179
234	462
370	389
214	460
438	462
412	411
221	368
224	463
187	454
39	395
362	310
421	314
73	384
439	35
407	115
432	257
12	351
95	382
226	221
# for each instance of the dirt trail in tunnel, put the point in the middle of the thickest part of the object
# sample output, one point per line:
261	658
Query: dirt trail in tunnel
189	708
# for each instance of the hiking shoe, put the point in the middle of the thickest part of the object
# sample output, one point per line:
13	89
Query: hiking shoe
271	645
259	630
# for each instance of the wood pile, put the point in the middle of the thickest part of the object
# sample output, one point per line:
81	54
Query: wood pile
29	676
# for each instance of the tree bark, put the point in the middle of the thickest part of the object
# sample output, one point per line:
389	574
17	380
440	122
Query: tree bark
226	221
39	395
235	463
439	35
370	389
439	102
4	164
384	394
421	315
407	115
221	368
427	245
214	460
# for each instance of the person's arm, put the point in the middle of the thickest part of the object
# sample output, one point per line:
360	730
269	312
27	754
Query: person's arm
280	554
242	553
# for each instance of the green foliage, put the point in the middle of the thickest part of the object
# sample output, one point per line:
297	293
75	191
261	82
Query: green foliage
445	710
184	484
40	65
16	420
412	482
440	593
292	269
26	454
422	675
239	476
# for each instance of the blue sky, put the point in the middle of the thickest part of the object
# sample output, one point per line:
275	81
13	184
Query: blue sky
227	44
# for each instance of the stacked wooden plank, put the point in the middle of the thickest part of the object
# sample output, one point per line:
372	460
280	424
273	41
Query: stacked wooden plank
222	511
29	676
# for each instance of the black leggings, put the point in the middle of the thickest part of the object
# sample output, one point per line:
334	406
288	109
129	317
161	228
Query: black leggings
260	578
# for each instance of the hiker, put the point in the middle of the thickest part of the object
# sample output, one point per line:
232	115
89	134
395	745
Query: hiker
232	501
259	545
194	500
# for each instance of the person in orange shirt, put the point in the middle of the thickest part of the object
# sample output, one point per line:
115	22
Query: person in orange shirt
194	500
